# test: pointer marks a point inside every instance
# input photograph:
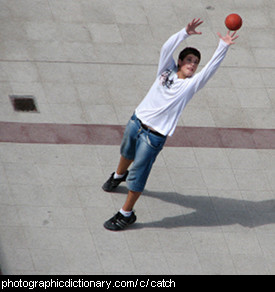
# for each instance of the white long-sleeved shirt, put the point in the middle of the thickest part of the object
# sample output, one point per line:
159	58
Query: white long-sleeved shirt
168	96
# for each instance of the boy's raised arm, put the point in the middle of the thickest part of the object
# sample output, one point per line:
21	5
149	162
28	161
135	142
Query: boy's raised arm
166	60
211	67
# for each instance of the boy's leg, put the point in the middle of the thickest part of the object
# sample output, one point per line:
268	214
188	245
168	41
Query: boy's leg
123	165
130	201
127	149
148	147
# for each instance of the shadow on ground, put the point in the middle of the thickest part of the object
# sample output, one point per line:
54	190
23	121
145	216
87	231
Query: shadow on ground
211	211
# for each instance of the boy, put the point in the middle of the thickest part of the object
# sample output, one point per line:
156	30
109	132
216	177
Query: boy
157	115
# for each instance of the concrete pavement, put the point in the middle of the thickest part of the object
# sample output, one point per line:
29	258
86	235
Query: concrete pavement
205	210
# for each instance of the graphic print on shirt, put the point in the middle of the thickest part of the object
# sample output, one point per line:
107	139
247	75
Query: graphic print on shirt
164	79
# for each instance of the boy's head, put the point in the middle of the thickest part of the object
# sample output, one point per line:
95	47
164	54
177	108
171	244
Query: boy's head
188	61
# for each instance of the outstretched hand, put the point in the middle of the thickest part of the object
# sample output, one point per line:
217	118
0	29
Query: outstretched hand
229	39
191	27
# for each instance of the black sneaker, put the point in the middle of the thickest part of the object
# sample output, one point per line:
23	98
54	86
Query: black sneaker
120	222
112	183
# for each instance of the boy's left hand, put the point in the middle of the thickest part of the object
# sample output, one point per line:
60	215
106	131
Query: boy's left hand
229	39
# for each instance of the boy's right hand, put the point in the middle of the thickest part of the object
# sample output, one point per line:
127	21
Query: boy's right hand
191	27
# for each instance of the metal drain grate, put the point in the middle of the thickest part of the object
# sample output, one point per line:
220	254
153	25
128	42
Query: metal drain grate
24	103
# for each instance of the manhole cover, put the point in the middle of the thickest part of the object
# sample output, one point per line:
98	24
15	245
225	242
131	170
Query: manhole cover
24	103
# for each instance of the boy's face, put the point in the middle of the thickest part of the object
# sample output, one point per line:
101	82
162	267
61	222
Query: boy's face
188	66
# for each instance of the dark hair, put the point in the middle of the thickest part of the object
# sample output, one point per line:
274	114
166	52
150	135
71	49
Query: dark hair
189	50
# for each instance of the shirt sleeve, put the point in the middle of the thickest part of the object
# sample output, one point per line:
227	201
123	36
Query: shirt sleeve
166	60
201	78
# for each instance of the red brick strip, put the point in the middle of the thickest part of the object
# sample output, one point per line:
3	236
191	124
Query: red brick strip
209	137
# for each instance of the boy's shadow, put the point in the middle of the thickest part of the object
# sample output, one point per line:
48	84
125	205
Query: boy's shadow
212	211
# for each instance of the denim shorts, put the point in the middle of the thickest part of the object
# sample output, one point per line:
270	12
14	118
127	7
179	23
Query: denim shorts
142	146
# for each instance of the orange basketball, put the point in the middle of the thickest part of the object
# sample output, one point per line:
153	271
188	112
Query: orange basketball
233	21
